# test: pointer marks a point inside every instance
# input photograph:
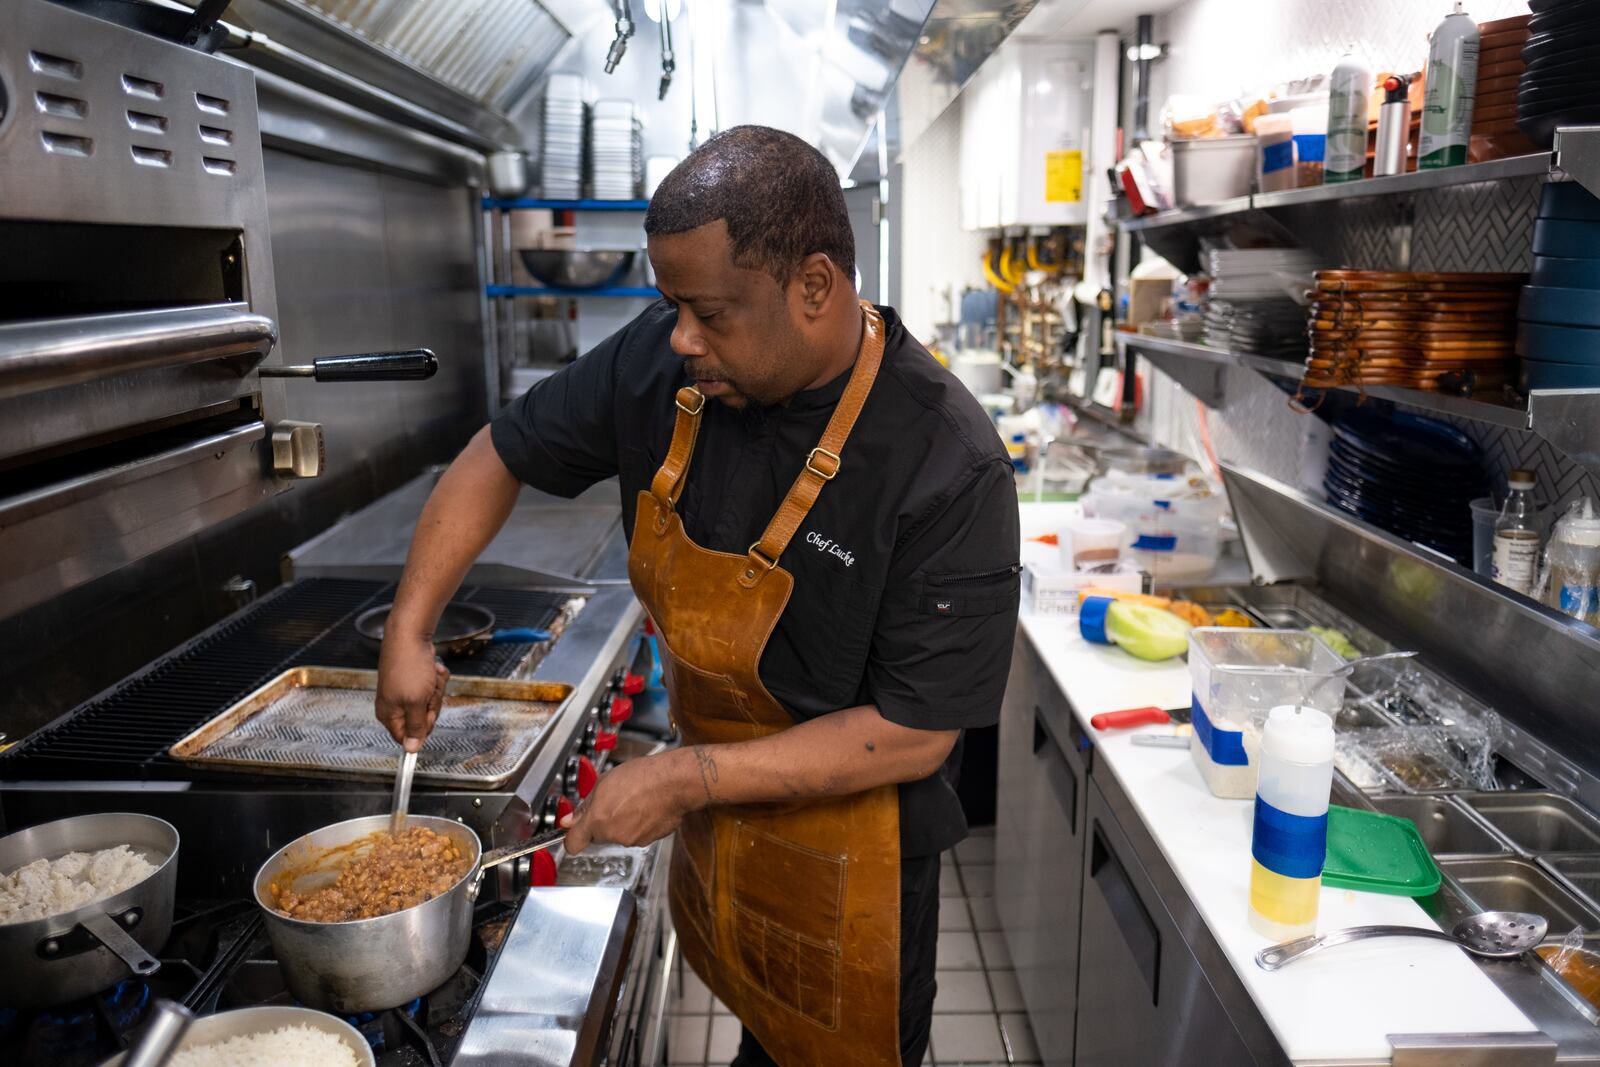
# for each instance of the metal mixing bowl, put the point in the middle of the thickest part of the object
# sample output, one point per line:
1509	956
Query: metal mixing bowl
561	269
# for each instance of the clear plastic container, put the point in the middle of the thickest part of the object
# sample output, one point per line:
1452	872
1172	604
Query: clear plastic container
1238	676
1170	537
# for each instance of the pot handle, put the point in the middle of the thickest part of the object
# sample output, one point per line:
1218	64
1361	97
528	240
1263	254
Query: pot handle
515	852
106	930
507	853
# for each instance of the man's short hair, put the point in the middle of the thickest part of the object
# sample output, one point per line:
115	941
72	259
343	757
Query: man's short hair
780	197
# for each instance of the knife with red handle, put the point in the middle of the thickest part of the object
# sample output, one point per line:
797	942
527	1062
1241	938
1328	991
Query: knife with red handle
1122	720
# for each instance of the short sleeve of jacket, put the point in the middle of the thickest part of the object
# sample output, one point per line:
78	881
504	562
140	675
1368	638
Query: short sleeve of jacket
941	646
561	435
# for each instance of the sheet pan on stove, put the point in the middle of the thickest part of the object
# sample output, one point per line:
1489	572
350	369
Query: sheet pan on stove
319	721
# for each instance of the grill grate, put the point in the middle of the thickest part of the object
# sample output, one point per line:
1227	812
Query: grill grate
126	731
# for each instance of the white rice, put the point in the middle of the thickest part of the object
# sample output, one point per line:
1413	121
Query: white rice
49	887
288	1046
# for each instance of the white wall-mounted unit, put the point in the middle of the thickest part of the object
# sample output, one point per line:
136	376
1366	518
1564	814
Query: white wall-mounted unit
1025	136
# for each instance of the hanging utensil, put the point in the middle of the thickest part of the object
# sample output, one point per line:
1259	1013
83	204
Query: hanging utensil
619	44
1495	934
668	62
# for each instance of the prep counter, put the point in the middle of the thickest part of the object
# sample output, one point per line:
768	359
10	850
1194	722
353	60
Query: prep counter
1145	963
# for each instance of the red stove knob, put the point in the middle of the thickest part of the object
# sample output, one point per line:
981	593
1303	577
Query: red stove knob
587	776
542	869
564	807
621	710
605	740
632	684
649	626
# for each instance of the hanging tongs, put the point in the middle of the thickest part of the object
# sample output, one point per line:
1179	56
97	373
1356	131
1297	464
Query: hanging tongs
668	64
619	44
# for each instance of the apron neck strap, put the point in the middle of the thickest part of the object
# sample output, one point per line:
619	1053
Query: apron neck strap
667	486
824	462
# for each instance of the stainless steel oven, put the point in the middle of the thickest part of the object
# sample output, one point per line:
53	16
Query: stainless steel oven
137	308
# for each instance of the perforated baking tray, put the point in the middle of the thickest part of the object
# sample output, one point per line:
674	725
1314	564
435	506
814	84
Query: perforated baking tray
319	721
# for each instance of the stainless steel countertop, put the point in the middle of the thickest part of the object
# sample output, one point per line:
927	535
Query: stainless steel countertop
547	540
547	1002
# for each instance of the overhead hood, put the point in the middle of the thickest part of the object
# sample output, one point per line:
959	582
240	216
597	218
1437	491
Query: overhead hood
472	61
958	37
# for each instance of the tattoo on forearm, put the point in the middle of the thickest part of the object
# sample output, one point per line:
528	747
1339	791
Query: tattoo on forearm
708	770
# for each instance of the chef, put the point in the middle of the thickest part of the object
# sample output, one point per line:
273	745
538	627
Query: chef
823	527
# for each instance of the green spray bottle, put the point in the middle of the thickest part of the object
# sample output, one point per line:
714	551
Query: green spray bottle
1452	83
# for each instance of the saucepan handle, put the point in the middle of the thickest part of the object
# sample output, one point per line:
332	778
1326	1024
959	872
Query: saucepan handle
114	937
507	853
519	635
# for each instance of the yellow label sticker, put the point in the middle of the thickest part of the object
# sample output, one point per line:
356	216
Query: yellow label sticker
1063	177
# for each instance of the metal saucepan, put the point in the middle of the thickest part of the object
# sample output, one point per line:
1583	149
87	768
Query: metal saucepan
242	1022
463	629
372	964
79	952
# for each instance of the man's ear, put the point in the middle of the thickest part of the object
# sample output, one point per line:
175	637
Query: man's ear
819	284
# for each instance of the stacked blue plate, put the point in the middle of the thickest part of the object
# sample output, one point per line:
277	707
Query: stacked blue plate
1410	475
1558	330
1560	85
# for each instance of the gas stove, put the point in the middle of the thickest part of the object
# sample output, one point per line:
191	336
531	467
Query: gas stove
219	958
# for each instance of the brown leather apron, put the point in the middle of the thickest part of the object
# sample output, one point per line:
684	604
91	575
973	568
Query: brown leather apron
790	911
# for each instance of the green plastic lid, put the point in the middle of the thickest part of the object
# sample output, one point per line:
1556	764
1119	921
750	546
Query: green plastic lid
1377	853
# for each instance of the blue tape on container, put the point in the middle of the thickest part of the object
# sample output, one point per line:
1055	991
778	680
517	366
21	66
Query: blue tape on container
1155	543
1310	147
1278	156
1294	846
1225	747
1092	619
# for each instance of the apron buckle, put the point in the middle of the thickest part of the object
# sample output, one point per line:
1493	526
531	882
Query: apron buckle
694	395
828	472
757	559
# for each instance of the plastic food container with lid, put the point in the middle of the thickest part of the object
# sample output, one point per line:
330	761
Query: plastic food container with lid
1237	677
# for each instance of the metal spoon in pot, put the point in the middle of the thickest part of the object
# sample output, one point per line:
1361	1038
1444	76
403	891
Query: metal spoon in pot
1497	934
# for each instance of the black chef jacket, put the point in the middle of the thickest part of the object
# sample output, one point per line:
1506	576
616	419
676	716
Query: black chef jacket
905	570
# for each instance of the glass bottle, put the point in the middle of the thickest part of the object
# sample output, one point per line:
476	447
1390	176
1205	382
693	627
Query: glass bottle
1516	535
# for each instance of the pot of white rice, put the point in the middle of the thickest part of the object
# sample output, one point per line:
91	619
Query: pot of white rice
278	1036
84	903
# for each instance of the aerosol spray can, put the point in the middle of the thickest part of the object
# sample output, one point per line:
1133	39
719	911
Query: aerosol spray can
1347	121
1452	83
1394	126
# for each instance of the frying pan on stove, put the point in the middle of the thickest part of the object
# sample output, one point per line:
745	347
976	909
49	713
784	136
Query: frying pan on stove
463	630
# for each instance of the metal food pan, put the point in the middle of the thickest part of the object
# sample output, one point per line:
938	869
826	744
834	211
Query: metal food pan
319	721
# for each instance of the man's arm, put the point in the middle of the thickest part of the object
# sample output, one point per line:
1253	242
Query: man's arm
837	754
464	512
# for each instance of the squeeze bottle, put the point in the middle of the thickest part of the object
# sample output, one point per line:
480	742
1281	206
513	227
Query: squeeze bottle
1290	840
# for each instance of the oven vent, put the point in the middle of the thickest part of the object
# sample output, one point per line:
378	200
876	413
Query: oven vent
125	732
61	107
145	122
143	88
66	144
54	66
151	157
211	105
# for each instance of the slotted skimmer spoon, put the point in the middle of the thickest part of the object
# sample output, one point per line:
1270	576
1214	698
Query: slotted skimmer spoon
1498	934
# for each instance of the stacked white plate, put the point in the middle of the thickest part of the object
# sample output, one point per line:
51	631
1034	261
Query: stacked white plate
1260	273
1252	307
561	166
616	148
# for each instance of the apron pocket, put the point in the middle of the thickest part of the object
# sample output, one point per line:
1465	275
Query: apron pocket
788	901
711	695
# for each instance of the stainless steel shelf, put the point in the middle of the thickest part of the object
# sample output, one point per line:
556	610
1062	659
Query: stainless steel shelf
1392	185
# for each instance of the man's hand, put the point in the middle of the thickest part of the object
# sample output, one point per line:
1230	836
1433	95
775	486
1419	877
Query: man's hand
410	689
637	802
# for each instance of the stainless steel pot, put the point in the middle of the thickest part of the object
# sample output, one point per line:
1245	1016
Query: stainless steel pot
508	173
373	964
242	1022
79	952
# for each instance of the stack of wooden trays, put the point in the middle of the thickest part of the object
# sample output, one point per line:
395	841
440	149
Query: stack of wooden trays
1452	332
1494	111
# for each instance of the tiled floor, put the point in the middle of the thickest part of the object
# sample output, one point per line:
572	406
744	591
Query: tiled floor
977	1015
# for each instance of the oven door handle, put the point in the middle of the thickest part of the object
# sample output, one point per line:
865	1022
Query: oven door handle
50	353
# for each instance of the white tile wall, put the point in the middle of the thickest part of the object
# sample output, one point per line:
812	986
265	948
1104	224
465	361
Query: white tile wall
935	253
